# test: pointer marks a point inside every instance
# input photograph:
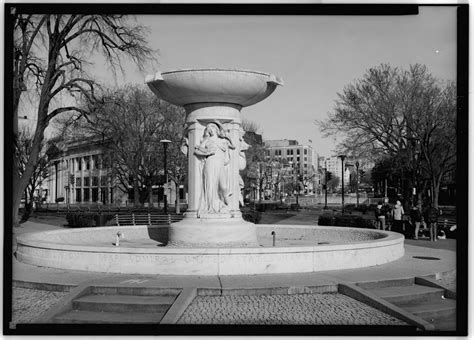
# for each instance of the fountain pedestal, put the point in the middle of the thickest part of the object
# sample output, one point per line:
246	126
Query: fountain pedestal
213	99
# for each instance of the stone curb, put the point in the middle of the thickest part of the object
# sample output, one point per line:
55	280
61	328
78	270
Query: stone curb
332	288
56	287
178	307
372	300
63	305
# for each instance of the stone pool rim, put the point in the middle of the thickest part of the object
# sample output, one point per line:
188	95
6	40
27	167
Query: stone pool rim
33	249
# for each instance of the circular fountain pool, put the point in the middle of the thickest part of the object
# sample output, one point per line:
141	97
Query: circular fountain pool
142	250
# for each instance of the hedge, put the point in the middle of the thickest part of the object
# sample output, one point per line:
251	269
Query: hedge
346	221
87	220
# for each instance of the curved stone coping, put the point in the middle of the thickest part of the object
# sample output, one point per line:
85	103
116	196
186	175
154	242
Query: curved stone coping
50	239
39	249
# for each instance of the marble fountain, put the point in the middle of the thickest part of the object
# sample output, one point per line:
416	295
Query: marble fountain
213	238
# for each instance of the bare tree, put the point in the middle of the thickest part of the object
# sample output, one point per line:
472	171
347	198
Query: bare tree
131	122
407	114
50	53
41	170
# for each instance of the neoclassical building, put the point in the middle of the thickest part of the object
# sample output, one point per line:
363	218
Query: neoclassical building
81	175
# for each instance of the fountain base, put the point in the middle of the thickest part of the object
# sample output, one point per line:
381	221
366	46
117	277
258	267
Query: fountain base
212	232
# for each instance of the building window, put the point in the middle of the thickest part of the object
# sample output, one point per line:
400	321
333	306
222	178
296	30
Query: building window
78	181
79	164
297	151
86	182
306	165
288	152
88	164
95	195
103	195
87	195
95	181
305	151
78	195
306	159
103	181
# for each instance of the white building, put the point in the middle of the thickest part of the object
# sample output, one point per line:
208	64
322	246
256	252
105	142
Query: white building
333	164
82	175
302	158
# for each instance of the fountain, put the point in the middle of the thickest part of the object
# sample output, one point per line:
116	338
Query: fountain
213	99
213	238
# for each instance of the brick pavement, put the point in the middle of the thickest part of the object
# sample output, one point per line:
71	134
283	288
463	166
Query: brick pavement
295	309
28	304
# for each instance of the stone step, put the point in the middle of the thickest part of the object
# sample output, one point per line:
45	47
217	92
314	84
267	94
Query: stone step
386	283
142	291
92	317
402	295
432	311
124	303
445	323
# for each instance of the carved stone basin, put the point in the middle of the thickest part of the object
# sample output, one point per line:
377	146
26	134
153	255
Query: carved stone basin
240	87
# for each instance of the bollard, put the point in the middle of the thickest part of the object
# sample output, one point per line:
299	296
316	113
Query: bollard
274	235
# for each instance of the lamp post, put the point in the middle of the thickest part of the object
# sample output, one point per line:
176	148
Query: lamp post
165	143
342	157
325	188
357	183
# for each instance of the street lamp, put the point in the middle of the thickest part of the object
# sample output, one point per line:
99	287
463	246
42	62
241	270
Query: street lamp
165	143
342	157
357	183
325	188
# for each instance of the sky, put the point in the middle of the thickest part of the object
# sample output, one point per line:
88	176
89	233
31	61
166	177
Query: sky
316	56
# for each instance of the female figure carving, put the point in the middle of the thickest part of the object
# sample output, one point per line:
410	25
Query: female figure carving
215	155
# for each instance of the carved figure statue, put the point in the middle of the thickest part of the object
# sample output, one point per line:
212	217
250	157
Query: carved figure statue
215	155
242	162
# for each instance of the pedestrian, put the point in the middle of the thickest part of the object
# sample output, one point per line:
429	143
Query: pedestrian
380	216
397	215
387	211
431	218
415	219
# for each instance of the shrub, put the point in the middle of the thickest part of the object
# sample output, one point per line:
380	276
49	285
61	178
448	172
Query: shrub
87	220
363	208
59	199
345	221
250	215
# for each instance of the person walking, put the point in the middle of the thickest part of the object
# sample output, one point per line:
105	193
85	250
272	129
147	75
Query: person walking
380	216
431	217
415	219
387	211
397	215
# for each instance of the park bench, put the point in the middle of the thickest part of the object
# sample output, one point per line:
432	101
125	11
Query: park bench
146	219
446	222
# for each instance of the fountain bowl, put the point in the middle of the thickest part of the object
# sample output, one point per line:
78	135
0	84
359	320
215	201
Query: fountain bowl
142	250
213	85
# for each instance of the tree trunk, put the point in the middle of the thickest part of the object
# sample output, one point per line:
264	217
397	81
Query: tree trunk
177	197
136	193
435	188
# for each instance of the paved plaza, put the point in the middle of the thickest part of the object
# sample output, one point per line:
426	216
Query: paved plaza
296	309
